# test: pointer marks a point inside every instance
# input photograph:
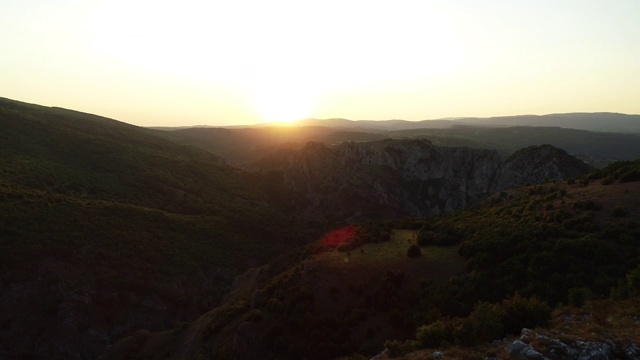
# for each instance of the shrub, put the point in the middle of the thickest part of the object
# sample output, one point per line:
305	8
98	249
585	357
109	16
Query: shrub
425	237
518	312
464	333
628	287
434	334
397	348
414	251
633	282
275	305
488	321
255	316
607	181
633	175
578	296
619	211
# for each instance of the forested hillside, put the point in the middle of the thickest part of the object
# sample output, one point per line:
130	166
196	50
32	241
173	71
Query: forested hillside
453	283
106	228
124	242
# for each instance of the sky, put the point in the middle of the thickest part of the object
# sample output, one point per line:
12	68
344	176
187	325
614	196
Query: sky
238	62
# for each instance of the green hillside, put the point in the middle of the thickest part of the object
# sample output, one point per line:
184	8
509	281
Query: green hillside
482	274
123	242
106	228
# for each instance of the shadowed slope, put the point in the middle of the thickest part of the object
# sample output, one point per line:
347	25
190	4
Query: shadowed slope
106	228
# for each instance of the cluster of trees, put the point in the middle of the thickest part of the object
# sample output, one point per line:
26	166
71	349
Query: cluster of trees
487	322
621	171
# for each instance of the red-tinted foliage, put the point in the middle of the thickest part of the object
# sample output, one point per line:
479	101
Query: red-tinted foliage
340	236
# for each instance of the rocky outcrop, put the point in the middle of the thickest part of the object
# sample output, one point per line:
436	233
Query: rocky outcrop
536	164
539	346
396	178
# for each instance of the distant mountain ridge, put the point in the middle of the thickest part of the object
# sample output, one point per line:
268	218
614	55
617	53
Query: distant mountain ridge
597	138
599	121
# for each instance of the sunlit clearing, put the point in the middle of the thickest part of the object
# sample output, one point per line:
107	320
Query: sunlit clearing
340	236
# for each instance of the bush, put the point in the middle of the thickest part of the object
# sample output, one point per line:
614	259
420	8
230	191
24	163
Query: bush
255	316
397	348
627	287
633	175
425	237
633	282
414	251
434	334
607	181
464	333
488	321
619	211
275	305
519	312
578	296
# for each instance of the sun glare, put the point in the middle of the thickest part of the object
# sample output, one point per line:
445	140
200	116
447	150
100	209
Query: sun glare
282	104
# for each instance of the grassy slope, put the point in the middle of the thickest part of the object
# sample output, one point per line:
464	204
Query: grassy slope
374	259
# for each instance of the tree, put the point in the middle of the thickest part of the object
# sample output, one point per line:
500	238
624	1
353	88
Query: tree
414	251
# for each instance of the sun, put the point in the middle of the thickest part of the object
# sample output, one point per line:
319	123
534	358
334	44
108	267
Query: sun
282	104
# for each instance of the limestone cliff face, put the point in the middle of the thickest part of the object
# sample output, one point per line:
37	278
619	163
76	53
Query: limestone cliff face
394	178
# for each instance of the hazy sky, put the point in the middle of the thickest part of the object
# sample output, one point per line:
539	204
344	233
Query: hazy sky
247	61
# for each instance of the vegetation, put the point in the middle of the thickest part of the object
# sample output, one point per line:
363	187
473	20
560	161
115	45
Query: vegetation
527	251
139	226
106	229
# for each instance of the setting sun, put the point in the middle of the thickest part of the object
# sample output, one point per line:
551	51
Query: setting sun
282	104
241	62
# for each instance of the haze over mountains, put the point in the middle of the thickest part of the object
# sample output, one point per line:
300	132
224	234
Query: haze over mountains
604	122
597	138
124	242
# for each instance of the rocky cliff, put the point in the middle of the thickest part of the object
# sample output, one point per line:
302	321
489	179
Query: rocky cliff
395	178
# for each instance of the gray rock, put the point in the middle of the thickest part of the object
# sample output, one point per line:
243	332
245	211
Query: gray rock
526	335
406	177
380	356
437	355
560	349
531	354
595	351
519	349
631	352
516	348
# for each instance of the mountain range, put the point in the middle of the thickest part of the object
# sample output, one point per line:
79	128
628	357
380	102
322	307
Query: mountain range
118	241
581	135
